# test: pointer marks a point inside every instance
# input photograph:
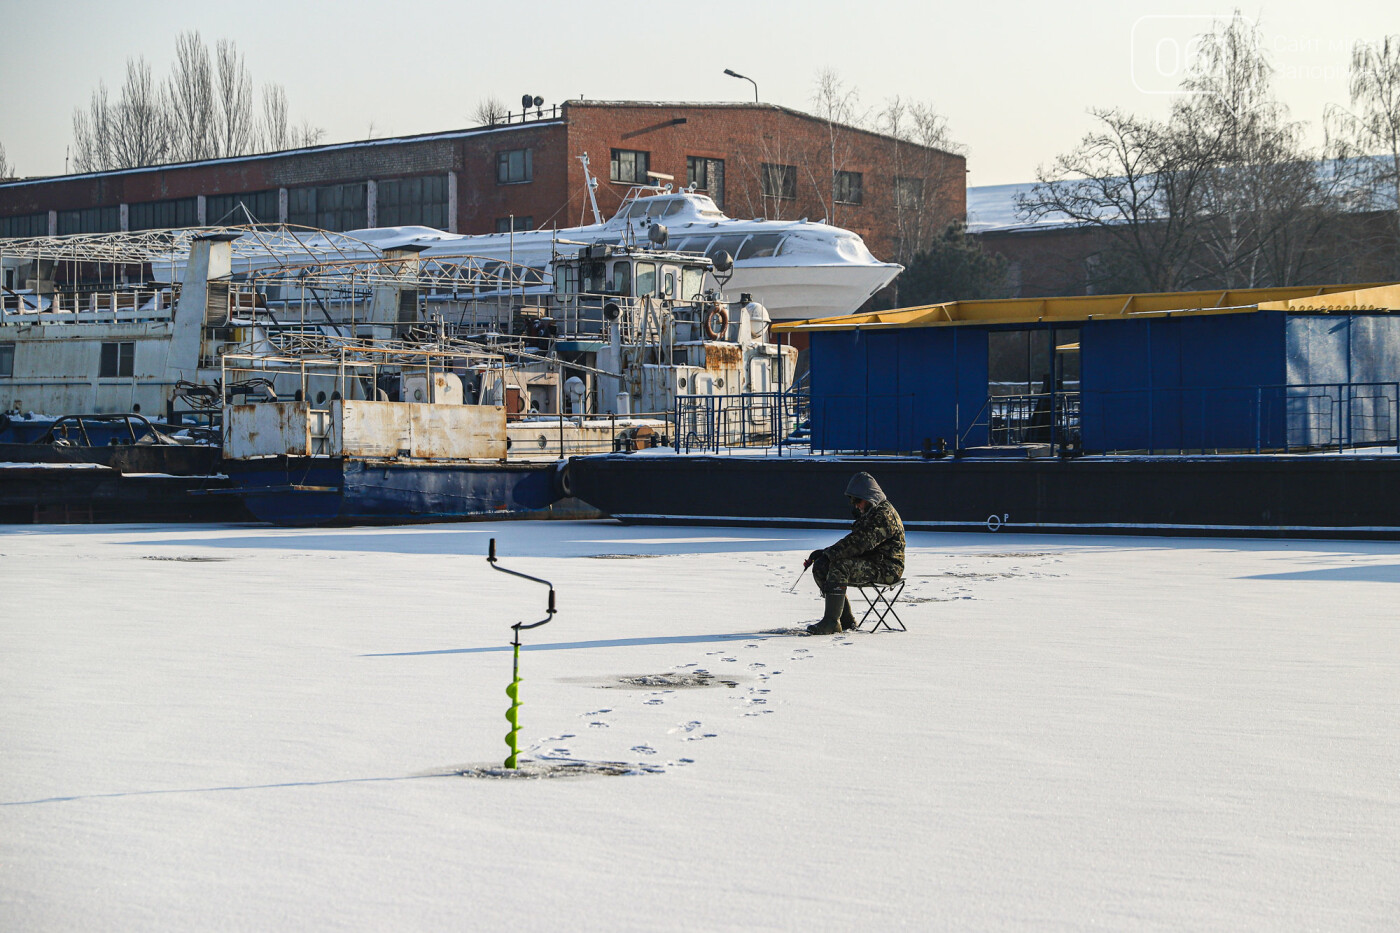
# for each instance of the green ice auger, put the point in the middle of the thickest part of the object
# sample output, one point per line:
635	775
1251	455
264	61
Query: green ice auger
513	691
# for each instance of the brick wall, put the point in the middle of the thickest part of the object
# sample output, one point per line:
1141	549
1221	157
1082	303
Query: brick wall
481	200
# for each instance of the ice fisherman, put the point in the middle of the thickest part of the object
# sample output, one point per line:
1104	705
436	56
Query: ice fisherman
872	553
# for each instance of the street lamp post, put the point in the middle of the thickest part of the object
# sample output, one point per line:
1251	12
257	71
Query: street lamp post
735	74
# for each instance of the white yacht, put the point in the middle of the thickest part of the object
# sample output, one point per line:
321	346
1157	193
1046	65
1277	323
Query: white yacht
796	269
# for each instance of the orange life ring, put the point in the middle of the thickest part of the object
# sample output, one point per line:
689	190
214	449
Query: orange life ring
715	322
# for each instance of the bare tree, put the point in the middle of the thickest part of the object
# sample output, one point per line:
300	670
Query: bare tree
132	132
191	92
234	98
1140	185
924	176
92	133
6	169
1266	206
768	177
205	109
839	108
1367	137
275	133
489	111
307	135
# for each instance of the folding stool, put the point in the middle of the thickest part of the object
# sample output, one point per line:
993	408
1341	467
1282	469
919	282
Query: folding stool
879	602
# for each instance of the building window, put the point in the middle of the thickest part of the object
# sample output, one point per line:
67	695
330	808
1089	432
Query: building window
908	193
162	215
629	165
849	187
330	207
228	208
7	360
118	360
90	220
706	175
779	181
412	201
521	223
514	167
25	225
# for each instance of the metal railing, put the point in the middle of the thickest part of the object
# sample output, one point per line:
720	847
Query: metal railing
1288	418
1038	418
741	420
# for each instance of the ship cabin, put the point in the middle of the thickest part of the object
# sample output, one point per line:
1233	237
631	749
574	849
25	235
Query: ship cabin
1246	371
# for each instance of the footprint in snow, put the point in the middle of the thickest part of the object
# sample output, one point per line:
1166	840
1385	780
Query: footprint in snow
757	712
696	738
655	701
596	724
729	659
643	749
685	727
756	666
598	712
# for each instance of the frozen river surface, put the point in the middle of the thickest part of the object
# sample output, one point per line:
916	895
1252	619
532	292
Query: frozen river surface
237	728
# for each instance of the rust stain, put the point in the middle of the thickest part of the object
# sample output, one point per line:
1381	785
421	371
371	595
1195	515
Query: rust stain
723	356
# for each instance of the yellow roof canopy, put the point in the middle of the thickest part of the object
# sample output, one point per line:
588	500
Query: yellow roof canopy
1370	297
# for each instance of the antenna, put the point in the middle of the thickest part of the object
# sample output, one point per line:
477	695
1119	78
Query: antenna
591	184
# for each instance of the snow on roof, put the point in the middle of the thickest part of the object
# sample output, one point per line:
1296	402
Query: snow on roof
330	147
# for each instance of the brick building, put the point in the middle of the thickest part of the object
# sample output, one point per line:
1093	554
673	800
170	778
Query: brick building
756	160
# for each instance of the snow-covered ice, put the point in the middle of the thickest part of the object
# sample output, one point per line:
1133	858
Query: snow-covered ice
241	728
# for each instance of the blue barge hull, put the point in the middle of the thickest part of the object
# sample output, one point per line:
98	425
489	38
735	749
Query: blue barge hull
339	490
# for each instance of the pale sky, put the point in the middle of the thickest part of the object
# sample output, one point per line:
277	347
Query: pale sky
1014	79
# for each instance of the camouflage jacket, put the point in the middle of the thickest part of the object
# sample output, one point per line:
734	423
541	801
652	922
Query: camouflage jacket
877	536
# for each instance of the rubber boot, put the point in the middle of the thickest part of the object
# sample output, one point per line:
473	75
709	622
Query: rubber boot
848	619
831	621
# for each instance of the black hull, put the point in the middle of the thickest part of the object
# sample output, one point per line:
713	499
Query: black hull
1309	496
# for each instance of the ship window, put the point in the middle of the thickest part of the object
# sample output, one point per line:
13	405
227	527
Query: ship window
730	244
668	288
674	207
503	224
779	181
849	187
7	360
638	209
692	283
760	245
646	278
693	244
630	165
594	278
118	360
622	278
514	167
